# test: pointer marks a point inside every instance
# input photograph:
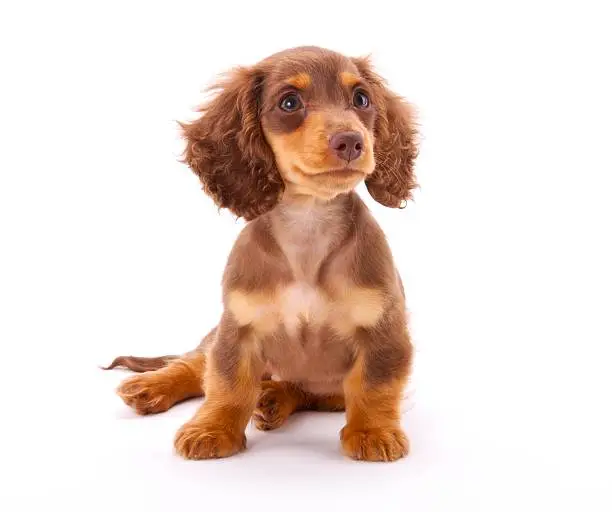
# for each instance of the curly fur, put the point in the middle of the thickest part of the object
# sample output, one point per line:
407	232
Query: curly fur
311	294
395	149
227	149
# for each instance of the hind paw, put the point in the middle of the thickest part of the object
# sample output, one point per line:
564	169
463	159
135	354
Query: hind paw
147	393
274	407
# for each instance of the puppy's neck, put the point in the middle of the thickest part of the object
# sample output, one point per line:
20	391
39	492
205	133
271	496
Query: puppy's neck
308	229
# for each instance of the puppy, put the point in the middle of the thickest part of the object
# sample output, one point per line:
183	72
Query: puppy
314	309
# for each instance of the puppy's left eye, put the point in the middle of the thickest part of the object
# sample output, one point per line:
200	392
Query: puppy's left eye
361	99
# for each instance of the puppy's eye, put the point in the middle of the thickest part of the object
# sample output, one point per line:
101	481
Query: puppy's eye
290	103
360	99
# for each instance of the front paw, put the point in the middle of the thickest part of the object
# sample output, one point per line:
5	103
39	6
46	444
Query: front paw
196	441
374	444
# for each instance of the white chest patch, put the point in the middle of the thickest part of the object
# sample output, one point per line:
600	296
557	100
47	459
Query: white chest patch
301	303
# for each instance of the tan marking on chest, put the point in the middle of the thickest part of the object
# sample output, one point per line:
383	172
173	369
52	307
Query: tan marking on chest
302	304
254	309
358	307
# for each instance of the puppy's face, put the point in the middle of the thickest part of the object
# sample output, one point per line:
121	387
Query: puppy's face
306	120
318	116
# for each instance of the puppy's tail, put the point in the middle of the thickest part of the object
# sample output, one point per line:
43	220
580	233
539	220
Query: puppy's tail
140	364
148	364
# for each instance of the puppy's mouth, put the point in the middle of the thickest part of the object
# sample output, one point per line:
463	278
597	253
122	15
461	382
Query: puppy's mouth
344	173
325	183
347	173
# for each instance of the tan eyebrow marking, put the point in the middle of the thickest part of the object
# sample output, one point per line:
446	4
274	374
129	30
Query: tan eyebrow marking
301	80
349	79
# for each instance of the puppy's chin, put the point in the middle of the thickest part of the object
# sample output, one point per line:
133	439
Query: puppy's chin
323	184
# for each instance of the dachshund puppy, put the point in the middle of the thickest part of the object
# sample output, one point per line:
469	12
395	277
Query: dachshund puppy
314	309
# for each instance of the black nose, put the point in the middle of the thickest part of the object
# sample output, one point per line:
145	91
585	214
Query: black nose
347	145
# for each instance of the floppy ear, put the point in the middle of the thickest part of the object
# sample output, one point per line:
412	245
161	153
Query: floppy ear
395	145
227	150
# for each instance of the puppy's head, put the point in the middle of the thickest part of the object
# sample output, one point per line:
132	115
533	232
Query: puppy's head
306	120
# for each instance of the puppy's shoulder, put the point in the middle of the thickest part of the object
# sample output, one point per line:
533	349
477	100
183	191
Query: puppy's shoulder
256	260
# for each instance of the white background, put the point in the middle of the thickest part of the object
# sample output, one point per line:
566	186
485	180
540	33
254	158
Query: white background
109	246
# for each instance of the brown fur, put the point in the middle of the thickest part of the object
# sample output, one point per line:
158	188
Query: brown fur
157	391
217	429
279	399
300	81
140	364
311	294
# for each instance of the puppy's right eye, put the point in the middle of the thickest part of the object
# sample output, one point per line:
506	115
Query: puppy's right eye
290	103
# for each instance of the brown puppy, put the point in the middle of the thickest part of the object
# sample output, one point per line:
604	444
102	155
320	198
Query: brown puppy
310	291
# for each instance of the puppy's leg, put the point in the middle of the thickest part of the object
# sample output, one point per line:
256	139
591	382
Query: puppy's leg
373	391
279	400
232	382
157	391
331	403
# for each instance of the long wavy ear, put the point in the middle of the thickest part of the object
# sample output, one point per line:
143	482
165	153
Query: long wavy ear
395	143
226	148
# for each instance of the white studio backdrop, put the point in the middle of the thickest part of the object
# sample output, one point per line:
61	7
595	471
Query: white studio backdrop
108	246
